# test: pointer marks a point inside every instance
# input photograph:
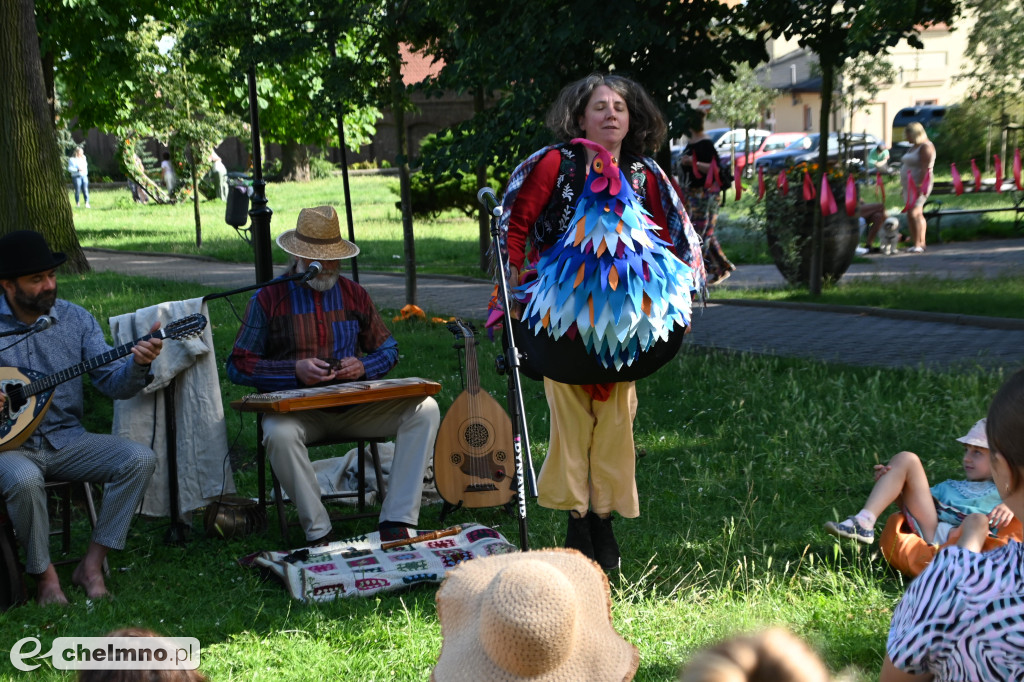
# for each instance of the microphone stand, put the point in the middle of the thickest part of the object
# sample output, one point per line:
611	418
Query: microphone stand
526	479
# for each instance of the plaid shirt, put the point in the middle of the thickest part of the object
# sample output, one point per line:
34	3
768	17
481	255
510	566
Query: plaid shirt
286	322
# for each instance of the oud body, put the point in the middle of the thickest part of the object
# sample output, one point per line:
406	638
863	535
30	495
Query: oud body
474	464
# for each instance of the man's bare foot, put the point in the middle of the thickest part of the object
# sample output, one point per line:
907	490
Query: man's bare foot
90	581
48	590
45	597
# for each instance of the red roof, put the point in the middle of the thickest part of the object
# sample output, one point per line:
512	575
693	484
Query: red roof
417	66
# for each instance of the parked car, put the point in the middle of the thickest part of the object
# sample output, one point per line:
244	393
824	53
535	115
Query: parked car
737	138
715	134
769	144
929	116
805	149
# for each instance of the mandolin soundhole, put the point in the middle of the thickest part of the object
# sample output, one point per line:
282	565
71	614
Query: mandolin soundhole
476	435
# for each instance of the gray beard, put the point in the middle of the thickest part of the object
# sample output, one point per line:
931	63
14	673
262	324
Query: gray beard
325	281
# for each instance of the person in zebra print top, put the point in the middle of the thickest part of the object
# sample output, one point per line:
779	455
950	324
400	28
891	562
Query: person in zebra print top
963	617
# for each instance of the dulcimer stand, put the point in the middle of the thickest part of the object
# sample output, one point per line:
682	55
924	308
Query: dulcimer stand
509	364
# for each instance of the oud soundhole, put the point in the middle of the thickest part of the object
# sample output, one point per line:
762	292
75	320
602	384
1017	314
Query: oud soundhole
500	455
476	435
456	458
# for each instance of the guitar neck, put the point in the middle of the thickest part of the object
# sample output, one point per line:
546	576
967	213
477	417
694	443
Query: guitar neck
48	382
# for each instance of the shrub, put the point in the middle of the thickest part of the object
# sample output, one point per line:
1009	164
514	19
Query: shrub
320	168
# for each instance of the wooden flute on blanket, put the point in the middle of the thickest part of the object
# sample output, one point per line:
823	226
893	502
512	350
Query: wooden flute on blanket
454	530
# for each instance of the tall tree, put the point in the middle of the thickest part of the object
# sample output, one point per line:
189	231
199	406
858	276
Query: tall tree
33	194
519	55
836	32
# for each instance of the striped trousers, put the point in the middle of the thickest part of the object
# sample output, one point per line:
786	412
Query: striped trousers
122	465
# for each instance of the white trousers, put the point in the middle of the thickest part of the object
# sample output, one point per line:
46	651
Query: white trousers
412	422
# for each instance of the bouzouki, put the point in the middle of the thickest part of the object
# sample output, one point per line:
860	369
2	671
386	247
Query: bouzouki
473	457
29	392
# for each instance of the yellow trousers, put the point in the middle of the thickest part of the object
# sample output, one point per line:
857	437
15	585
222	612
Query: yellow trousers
591	462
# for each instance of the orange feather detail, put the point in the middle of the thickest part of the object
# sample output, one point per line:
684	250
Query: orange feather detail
581	231
547	319
601	248
646	305
590	302
579	276
613	278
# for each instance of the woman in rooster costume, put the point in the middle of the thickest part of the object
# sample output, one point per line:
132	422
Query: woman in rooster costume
612	260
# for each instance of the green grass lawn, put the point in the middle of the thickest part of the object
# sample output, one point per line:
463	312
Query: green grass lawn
996	297
741	461
444	245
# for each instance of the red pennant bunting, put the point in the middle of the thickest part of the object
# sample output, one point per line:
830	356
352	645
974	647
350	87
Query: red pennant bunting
880	186
808	187
760	183
828	202
911	193
851	196
713	180
999	173
958	184
1016	169
977	176
783	183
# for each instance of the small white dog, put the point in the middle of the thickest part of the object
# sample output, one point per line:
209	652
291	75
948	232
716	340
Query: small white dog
890	235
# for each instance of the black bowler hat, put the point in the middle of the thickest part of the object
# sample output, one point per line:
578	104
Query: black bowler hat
25	252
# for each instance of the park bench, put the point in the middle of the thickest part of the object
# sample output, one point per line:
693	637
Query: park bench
933	207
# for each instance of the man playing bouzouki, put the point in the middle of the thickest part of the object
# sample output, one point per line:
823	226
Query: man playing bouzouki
327	331
60	448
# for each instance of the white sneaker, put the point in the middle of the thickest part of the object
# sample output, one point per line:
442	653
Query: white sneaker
861	250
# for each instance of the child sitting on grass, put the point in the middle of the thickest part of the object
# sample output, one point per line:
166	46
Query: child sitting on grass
973	504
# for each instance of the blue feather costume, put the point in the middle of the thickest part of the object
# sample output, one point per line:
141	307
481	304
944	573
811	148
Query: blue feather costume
610	279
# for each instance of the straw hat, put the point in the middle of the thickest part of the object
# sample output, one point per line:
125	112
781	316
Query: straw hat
976	436
317	236
539	616
24	252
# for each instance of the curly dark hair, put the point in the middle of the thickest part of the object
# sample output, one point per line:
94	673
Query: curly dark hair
647	129
1005	426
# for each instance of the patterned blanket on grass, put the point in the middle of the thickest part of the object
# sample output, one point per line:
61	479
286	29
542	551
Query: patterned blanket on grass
359	567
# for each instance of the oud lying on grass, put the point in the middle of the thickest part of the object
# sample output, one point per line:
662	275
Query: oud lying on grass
326	330
60	448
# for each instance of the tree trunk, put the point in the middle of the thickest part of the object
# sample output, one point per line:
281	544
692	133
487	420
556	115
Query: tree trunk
481	181
294	162
404	183
828	75
33	194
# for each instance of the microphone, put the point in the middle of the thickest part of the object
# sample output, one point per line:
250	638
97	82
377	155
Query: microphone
490	202
41	323
314	269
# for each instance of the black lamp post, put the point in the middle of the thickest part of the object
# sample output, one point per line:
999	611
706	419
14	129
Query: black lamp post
259	213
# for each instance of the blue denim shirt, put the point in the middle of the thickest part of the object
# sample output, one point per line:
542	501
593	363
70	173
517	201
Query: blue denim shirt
75	337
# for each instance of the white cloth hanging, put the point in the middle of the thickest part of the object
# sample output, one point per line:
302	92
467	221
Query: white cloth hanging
204	471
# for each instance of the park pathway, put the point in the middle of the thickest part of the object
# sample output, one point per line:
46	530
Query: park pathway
866	337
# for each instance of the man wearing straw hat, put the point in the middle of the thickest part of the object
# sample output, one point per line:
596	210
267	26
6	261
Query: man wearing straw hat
327	330
60	448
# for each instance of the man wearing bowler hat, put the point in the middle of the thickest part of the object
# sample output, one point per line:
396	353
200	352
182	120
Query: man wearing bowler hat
60	448
326	331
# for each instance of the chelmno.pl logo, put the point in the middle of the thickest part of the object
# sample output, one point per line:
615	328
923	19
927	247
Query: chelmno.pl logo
110	653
